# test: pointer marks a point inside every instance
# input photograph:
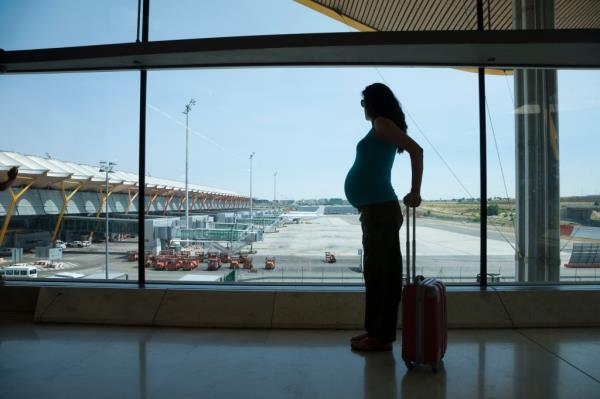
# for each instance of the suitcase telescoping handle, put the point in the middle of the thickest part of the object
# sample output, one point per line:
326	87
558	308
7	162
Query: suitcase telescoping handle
411	251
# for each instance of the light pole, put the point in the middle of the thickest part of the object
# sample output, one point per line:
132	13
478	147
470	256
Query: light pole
106	167
188	108
251	156
251	224
274	187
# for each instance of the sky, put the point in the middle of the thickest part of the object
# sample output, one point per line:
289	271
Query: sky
303	123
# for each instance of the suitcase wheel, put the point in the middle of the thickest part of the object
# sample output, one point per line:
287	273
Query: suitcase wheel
409	365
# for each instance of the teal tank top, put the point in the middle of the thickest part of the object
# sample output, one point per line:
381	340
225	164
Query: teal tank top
369	181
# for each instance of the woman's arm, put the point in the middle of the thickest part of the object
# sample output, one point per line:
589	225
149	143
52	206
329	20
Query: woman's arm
387	130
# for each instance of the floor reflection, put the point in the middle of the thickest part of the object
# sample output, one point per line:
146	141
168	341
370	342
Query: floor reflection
380	378
110	362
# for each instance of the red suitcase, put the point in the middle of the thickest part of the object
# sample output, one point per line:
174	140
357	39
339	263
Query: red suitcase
424	313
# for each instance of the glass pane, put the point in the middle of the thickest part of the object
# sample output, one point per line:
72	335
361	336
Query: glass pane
578	121
192	19
501	176
302	124
544	191
31	24
57	128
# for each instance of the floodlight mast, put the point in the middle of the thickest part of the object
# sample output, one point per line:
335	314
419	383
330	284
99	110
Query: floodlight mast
186	112
251	157
106	167
274	187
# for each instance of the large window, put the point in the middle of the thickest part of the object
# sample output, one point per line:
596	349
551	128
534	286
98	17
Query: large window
245	166
302	126
31	24
578	121
542	186
190	19
57	129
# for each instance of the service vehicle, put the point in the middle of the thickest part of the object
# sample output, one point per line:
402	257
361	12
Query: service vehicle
214	263
269	263
234	263
19	271
246	262
329	257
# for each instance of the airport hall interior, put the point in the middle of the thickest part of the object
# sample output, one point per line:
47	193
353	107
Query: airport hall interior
300	199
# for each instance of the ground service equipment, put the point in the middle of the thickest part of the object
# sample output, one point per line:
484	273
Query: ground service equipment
234	263
269	263
329	257
246	262
214	262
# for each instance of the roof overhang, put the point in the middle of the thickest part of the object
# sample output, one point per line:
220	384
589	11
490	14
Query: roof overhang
66	175
436	15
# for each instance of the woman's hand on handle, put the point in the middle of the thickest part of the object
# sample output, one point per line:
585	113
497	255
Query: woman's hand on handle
412	199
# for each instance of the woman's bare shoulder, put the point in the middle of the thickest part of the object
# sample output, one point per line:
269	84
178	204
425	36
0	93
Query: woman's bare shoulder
386	127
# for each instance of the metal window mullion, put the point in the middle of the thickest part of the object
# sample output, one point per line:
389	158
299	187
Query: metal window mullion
482	163
142	155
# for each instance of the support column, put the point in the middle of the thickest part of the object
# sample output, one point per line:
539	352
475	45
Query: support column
152	198
194	201
103	199
211	201
167	204
14	198
537	157
66	199
181	201
130	199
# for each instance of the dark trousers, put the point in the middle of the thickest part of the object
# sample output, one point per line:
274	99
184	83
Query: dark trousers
382	267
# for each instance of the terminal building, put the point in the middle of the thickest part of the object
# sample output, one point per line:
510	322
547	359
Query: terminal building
60	200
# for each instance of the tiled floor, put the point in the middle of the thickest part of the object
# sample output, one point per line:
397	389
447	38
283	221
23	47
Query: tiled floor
66	361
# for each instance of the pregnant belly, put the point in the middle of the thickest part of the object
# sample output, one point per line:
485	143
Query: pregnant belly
363	189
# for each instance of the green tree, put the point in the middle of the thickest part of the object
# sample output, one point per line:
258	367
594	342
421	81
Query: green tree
493	210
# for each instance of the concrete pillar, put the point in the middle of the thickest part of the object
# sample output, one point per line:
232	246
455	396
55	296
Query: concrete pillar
537	161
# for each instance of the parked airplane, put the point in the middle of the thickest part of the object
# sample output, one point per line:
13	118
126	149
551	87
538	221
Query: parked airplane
297	216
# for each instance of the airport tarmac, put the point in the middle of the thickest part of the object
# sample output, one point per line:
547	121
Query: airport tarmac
445	249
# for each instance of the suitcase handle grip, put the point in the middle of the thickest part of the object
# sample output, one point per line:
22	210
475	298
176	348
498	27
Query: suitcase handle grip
411	251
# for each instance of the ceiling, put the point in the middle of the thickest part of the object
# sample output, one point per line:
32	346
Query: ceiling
436	15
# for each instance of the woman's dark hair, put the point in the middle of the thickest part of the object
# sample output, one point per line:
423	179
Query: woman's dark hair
380	101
